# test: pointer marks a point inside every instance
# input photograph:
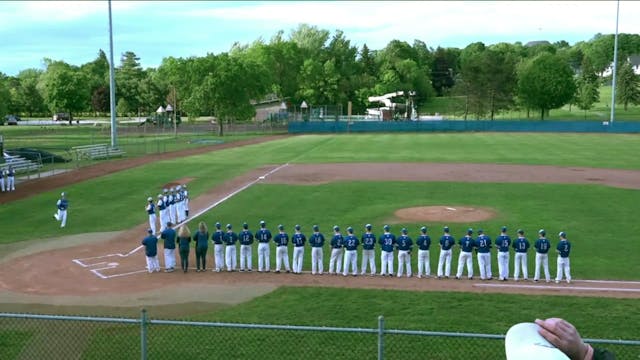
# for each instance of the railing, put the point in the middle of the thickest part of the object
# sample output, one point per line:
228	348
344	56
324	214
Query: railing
28	336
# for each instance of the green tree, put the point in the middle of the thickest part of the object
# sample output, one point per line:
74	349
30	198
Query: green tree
5	96
445	67
65	88
129	76
97	74
627	86
28	98
587	87
545	82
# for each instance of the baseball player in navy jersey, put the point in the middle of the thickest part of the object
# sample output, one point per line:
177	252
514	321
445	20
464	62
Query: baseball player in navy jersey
483	247
337	244
298	239
466	254
387	242
185	194
11	179
282	249
246	242
563	248
542	247
230	240
351	243
62	205
503	242
2	176
151	251
178	199
161	212
424	242
218	245
405	244
264	238
172	206
151	212
446	243
165	200
368	240
521	244
316	240
169	236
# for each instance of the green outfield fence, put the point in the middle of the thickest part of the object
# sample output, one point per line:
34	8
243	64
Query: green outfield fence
343	125
29	336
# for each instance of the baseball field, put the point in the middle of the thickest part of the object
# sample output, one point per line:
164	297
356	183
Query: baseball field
584	184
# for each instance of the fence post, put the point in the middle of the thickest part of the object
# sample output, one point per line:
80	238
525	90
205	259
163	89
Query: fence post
143	334
380	337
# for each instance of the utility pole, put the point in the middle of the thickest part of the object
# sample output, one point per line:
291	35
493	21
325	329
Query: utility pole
615	68
112	87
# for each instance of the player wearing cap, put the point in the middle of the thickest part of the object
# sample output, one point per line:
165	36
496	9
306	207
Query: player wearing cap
282	249
264	237
151	212
298	239
62	204
178	199
446	243
11	179
246	242
466	255
521	244
542	247
172	206
483	247
218	246
185	194
351	243
316	240
2	175
150	243
368	241
162	213
424	243
165	201
405	244
169	237
201	239
337	244
503	242
387	241
230	257
563	248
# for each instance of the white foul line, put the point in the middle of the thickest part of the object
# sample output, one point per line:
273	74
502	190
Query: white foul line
111	265
557	287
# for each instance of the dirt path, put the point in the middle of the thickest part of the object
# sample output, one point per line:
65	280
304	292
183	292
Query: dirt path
46	273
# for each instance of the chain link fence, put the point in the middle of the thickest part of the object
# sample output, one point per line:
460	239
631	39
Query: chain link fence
26	336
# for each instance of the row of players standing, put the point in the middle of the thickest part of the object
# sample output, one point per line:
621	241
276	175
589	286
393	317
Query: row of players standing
171	206
8	179
346	247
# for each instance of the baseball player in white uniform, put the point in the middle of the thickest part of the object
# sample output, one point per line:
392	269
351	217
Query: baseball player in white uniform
337	243
466	255
444	261
298	239
350	253
162	215
185	205
542	247
151	211
368	240
62	206
2	176
11	179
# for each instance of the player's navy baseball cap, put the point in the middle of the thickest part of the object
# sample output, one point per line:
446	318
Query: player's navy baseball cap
316	228
386	228
504	229
469	231
480	231
350	229
523	342
297	227
368	226
149	198
149	231
404	230
336	228
228	226
245	225
423	229
520	231
262	223
446	229
280	227
542	232
562	233
218	225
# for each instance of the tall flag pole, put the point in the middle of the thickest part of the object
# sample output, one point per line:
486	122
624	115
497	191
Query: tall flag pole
615	68
112	86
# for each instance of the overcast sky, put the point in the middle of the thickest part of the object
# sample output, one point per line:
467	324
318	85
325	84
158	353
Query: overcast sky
74	31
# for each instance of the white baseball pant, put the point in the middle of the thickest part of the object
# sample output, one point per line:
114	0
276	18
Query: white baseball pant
11	183
484	263
153	264
465	257
245	257
424	268
404	259
264	261
2	183
386	262
230	257
444	260
317	255
218	250
62	217
335	263
368	256
542	259
503	265
350	258
282	255
298	255
169	258
152	223
563	266
520	262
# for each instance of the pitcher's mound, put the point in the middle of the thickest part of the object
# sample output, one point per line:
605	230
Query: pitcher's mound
445	213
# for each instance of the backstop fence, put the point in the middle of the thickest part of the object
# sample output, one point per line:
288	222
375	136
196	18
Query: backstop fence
29	336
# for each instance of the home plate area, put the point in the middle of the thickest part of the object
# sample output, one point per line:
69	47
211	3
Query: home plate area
113	265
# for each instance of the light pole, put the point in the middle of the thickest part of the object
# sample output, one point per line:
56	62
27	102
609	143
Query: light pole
615	67
112	86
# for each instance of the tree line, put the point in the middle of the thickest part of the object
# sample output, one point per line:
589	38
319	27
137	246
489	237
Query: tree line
321	68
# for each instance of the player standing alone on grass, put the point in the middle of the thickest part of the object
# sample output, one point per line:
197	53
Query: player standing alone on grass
264	237
466	255
282	249
337	243
218	242
424	242
542	247
246	241
405	244
368	240
62	205
351	253
446	243
317	244
503	241
521	244
151	251
387	242
563	248
483	246
298	239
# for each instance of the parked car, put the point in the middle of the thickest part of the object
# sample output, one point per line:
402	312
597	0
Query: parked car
62	117
11	119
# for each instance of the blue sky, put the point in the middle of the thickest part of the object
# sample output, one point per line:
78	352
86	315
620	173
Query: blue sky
74	31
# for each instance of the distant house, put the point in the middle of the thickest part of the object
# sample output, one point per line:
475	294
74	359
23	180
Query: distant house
267	107
635	63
